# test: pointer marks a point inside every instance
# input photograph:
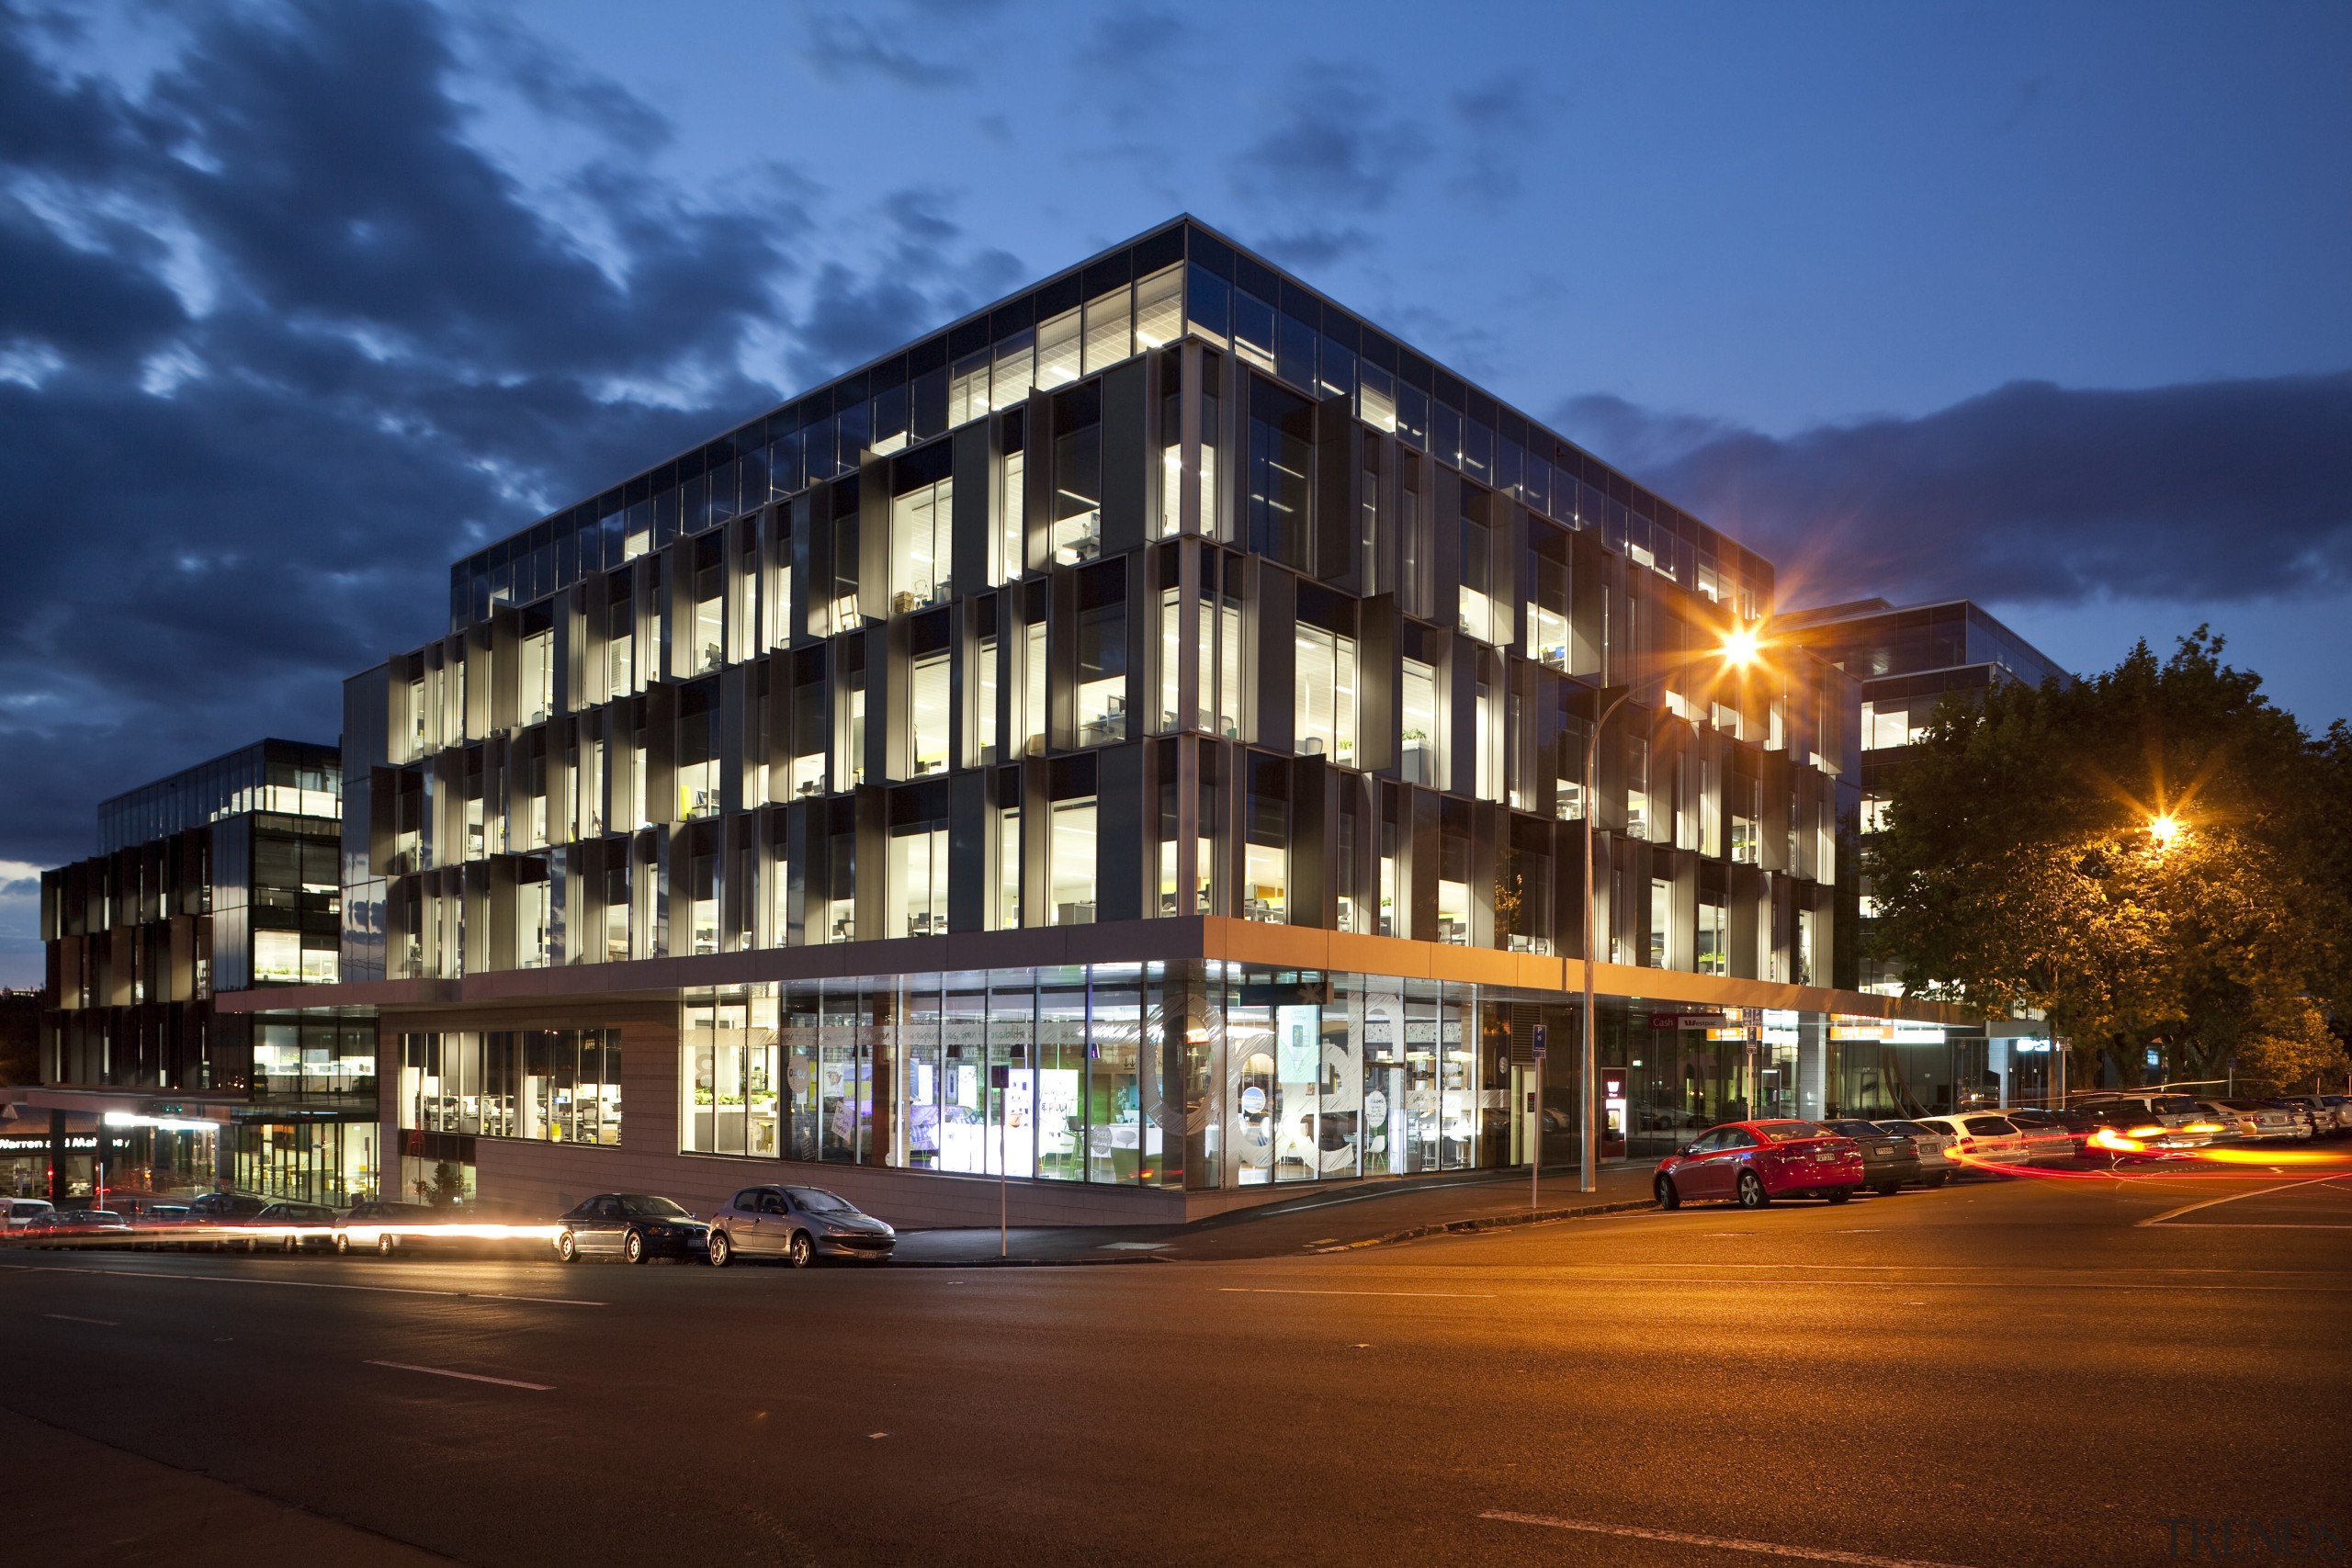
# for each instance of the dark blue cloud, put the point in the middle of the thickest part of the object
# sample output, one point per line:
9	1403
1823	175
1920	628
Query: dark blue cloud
280	341
2209	492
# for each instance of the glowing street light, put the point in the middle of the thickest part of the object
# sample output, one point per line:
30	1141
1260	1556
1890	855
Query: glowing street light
2164	829
1741	649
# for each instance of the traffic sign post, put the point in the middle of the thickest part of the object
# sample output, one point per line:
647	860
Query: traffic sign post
1535	1123
1001	1080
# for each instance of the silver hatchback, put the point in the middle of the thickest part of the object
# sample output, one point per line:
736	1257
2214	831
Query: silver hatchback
797	1225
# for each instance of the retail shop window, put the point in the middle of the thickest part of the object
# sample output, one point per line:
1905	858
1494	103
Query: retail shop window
732	1102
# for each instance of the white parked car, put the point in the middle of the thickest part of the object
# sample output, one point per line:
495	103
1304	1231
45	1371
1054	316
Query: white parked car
21	1212
1980	1138
2328	1112
2047	1142
2270	1122
1936	1163
2175	1111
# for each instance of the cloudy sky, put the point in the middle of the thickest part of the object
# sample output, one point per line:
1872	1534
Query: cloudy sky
2043	305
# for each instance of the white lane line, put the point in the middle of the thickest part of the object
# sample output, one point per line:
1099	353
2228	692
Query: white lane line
1271	1291
1939	1284
2254	1225
2214	1202
304	1284
470	1377
69	1317
1718	1542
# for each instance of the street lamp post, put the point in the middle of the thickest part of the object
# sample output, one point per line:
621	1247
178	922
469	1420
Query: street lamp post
1739	649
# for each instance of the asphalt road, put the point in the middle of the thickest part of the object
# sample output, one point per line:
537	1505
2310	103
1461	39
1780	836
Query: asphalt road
2023	1373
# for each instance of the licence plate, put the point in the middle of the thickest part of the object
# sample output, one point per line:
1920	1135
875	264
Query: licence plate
1887	1149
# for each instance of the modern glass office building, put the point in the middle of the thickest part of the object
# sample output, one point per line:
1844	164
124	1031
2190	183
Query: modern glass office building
225	877
1132	742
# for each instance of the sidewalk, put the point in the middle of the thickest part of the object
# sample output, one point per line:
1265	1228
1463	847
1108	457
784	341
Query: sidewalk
1313	1221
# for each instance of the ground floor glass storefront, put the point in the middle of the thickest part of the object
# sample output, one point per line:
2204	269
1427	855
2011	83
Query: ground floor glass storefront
307	1160
1201	1075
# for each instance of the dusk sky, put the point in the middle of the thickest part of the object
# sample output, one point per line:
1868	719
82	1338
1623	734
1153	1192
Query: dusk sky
2041	305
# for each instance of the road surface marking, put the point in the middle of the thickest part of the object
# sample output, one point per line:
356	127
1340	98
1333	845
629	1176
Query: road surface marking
1719	1543
1271	1290
470	1377
2212	1203
2254	1226
69	1317
301	1284
1933	1284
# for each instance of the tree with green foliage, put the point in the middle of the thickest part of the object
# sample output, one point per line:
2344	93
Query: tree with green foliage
2153	857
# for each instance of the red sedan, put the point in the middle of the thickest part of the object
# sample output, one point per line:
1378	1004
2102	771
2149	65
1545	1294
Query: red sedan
1754	1162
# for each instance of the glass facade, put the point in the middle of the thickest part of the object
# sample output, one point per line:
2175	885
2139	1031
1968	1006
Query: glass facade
560	1086
938	648
1169	1076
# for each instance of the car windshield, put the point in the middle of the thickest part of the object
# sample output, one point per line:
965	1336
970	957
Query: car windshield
653	1208
1792	1132
816	1200
1853	1129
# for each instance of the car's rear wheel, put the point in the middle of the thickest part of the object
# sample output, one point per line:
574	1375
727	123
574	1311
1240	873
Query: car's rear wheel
1938	1179
802	1252
341	1244
1889	1189
722	1250
1751	1191
1839	1195
388	1246
567	1250
1668	1198
633	1246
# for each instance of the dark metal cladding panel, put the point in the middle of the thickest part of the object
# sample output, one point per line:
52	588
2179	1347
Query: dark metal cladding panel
1126	473
1121	832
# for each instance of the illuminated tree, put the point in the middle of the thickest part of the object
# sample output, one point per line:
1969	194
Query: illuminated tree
2155	857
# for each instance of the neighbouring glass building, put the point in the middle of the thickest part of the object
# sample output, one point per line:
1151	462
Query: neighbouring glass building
1130	742
222	878
1910	659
